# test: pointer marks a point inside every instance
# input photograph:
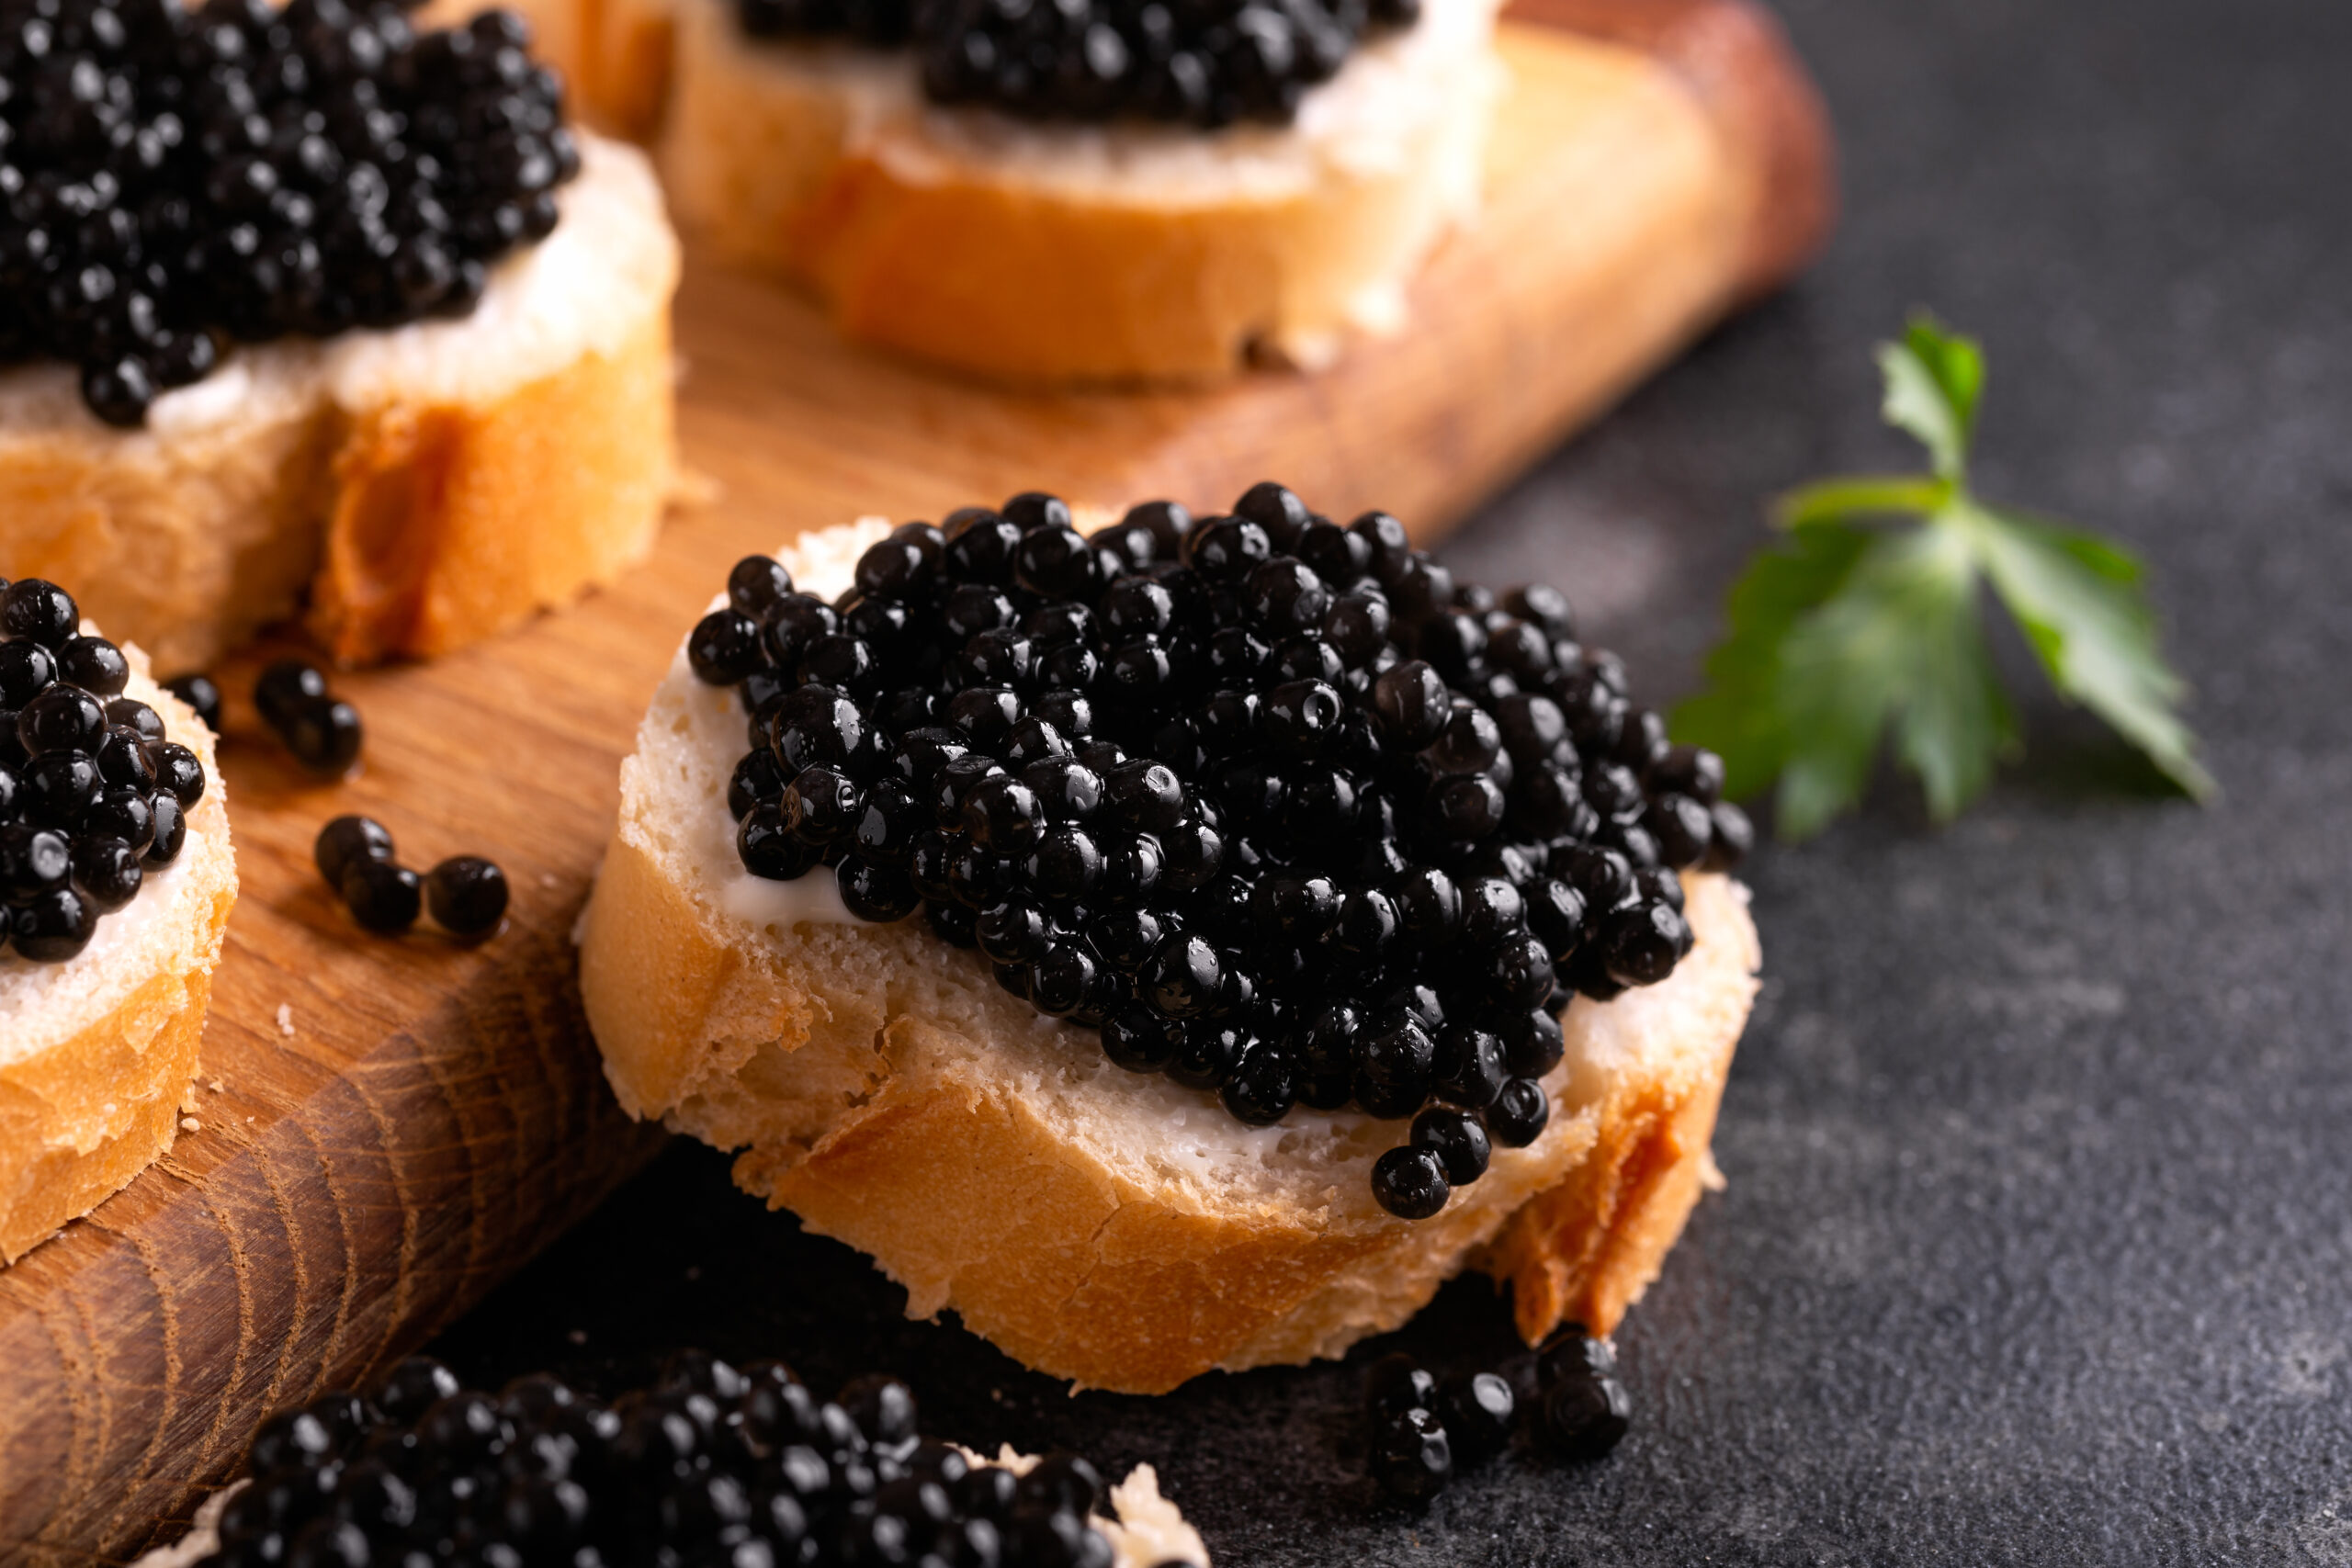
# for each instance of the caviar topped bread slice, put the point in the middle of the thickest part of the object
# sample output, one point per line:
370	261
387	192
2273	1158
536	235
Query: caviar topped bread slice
711	1464
1152	945
1083	192
116	880
311	305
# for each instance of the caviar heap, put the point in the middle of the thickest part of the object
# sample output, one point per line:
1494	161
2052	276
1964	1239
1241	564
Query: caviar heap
1275	805
1205	64
711	1465
93	793
174	180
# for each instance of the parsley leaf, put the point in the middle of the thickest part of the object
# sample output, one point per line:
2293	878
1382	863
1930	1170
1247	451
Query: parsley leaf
1849	629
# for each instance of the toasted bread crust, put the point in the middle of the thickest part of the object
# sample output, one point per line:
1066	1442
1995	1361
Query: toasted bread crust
1088	1273
81	1118
450	524
1586	1250
772	158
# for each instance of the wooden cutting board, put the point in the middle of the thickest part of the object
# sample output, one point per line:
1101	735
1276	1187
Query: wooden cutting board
384	1129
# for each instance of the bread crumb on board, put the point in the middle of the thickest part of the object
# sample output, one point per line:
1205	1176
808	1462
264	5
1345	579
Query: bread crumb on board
285	1020
190	1125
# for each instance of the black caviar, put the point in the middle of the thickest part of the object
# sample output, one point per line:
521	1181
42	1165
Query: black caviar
466	895
710	1465
1275	805
199	693
93	790
322	731
1203	64
1424	1431
174	180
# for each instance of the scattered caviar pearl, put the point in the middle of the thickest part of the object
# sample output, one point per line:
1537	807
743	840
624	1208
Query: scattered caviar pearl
285	687
466	895
1478	1409
324	735
1586	1410
348	840
382	896
1412	1458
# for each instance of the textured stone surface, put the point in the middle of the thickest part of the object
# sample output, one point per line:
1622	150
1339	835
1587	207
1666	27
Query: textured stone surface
2038	1238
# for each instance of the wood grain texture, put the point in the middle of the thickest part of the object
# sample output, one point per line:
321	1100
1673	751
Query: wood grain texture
436	1112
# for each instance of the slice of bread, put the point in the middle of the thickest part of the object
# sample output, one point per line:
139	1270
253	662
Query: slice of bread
423	488
96	1053
1061	251
1106	1226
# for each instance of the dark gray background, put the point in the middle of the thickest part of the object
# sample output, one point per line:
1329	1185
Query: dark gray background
2038	1236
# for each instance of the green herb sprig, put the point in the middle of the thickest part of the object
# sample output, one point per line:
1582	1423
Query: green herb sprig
1853	624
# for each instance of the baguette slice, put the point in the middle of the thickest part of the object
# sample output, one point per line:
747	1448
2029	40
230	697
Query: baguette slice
1059	253
424	487
96	1053
1150	1531
1108	1228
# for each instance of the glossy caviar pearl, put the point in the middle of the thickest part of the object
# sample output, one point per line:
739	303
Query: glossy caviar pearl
1182	977
94	664
126	761
1409	1182
170	834
178	770
1733	837
725	647
40	612
467	896
1478	1409
1412	1458
54	925
57	788
285	687
1642	944
346	839
1518	1114
120	812
756	585
382	896
1263	1087
1458	1141
106	871
1586	1416
33	860
62	718
1210	1050
324	735
27	669
1411	703
1140	1040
